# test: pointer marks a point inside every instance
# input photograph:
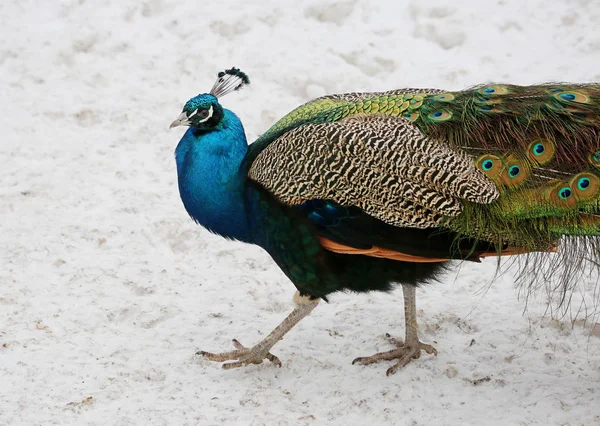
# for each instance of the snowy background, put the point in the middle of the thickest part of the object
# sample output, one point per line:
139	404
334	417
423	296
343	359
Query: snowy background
107	288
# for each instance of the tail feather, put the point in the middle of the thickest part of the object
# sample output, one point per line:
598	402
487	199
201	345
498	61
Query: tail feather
540	145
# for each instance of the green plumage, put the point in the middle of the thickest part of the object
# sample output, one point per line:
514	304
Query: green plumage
539	145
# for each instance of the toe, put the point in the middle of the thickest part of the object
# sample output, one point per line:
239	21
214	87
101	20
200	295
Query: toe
224	356
428	348
394	340
359	360
402	363
237	344
274	359
232	365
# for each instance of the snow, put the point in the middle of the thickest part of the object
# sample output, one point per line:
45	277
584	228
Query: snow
107	288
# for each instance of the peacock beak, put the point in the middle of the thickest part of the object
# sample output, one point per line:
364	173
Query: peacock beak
182	120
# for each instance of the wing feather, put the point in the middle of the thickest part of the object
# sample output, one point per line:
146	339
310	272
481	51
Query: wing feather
384	165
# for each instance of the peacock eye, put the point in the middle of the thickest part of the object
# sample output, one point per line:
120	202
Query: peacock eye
201	115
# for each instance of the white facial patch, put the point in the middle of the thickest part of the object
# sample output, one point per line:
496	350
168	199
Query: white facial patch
210	113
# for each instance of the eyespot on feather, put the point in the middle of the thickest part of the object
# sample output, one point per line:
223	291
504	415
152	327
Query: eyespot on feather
562	195
490	165
440	115
572	96
516	171
594	158
443	97
541	151
495	89
411	116
585	185
565	192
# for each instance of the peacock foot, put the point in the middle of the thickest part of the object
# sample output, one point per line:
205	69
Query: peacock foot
242	356
405	352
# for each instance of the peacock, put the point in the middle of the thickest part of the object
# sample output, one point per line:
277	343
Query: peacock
359	192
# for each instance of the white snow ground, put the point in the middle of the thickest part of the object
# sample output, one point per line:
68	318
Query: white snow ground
107	288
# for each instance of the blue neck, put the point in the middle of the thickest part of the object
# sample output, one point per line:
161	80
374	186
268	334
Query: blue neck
211	184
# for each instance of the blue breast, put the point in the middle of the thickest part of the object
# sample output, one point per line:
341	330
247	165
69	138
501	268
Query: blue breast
211	184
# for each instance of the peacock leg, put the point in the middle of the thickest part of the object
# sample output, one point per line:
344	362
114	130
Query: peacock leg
258	353
409	349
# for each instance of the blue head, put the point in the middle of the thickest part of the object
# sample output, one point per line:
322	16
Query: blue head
204	112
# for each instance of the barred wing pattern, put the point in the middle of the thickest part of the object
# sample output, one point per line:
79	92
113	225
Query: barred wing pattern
384	165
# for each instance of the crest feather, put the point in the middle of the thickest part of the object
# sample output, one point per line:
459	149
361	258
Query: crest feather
229	81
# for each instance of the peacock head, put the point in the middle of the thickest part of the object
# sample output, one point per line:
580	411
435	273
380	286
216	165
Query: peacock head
204	112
